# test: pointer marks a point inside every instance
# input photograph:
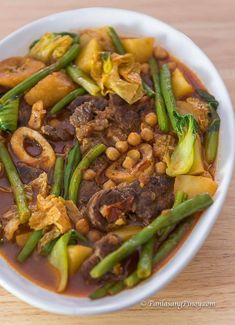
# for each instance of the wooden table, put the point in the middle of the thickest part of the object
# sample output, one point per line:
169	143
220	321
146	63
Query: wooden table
211	275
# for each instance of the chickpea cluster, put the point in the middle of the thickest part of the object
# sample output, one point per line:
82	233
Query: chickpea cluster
129	148
134	139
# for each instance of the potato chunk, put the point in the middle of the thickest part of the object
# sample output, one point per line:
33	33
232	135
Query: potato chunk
141	48
86	55
193	185
50	89
77	254
181	87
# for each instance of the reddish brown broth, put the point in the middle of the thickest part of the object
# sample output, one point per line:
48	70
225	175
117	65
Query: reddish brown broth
36	268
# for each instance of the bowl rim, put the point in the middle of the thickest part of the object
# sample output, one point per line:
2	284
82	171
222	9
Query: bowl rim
183	256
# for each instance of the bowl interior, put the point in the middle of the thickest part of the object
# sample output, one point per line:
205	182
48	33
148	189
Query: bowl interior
128	22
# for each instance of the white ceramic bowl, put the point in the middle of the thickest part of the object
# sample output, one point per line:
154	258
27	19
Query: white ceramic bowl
129	22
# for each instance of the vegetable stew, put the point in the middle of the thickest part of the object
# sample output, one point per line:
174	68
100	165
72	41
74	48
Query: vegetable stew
108	147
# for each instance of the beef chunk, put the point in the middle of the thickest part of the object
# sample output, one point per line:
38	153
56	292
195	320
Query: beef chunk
96	118
27	173
156	196
103	247
124	116
83	114
129	202
56	134
87	189
57	129
99	102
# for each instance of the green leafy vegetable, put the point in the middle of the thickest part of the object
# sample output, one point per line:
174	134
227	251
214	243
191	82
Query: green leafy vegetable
59	259
183	156
9	115
210	99
118	74
51	47
185	127
212	133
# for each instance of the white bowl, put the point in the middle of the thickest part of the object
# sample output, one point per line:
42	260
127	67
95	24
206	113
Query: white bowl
129	22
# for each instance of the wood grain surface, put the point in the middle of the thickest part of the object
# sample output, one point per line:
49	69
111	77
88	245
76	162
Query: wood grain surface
210	277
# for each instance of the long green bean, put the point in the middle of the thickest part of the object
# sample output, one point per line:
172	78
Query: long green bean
163	121
30	246
174	216
102	291
135	277
116	288
116	41
56	188
132	280
167	92
171	242
66	100
31	81
86	161
144	267
82	79
74	158
16	184
163	251
148	90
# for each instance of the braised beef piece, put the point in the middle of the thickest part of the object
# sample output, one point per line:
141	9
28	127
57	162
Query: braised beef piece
124	118
27	173
56	134
86	191
24	113
99	166
83	114
99	102
98	120
155	197
103	247
131	202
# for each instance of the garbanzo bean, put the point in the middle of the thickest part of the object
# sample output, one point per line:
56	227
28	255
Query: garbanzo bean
151	119
134	139
108	185
82	226
160	53
128	163
160	167
147	134
112	153
134	154
122	146
89	174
